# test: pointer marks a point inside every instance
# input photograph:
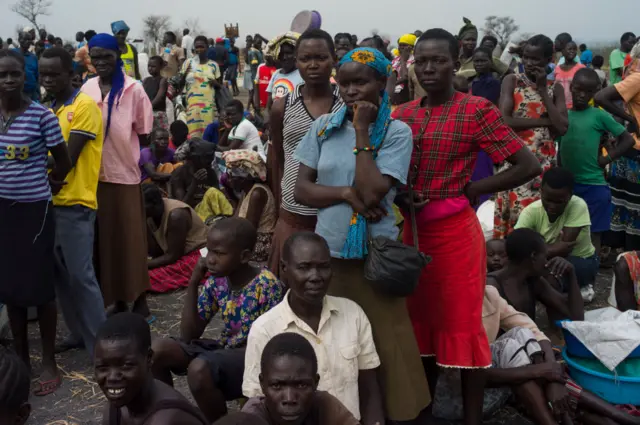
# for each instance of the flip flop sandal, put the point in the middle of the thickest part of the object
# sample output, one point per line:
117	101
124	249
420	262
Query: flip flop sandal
151	319
47	387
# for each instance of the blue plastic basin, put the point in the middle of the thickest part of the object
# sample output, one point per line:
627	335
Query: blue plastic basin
616	390
577	349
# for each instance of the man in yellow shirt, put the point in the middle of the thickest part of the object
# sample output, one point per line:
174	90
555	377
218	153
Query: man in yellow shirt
75	205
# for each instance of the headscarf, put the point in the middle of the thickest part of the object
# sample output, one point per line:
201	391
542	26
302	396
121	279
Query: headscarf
467	28
118	26
354	246
274	46
247	160
109	42
409	39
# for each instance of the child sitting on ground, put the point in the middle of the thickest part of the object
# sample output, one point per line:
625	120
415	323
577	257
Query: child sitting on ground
122	359
496	255
239	293
525	279
179	134
15	380
580	151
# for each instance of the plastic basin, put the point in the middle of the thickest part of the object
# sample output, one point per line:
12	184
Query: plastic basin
616	390
576	348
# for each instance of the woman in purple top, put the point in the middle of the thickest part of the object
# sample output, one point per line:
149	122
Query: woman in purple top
156	161
28	132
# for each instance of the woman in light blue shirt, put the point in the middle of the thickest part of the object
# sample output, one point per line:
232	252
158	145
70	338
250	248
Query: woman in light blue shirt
351	163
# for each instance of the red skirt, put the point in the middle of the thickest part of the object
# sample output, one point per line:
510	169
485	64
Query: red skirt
446	308
174	276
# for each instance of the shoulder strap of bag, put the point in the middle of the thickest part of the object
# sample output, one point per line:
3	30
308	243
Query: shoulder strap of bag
412	216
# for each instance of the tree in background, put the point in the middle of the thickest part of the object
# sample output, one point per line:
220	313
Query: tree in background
154	28
501	27
193	24
31	10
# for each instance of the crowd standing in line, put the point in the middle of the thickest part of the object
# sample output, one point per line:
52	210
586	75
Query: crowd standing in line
178	185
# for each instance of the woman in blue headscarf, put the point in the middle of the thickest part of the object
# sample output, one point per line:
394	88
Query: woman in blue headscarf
127	116
351	163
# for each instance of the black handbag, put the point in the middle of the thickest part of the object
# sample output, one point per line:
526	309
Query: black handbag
392	267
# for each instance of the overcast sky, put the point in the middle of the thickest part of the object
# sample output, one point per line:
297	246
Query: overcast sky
586	20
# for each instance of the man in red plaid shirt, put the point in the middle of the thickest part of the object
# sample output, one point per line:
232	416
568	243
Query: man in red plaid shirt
449	128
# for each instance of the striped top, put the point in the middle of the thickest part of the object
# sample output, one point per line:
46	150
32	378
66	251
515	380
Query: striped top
296	123
24	145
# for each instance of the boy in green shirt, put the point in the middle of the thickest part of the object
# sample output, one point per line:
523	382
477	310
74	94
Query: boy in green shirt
580	151
563	221
616	59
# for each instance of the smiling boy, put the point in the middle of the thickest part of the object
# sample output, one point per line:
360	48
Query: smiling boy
122	369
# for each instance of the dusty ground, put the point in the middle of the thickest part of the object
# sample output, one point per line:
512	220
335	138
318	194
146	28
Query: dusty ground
79	400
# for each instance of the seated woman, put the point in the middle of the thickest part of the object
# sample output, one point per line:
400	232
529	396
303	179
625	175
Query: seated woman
157	162
529	277
196	183
247	173
175	236
123	349
524	364
239	293
625	289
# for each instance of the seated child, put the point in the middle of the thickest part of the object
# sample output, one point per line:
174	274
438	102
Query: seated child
175	236
330	324
247	174
496	255
563	221
122	359
239	293
179	134
289	381
524	365
525	279
580	151
196	183
625	289
157	161
15	381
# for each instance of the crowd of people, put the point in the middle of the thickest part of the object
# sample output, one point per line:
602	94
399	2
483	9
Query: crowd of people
118	181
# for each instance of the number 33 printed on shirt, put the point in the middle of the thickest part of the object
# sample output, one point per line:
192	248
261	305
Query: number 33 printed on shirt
21	153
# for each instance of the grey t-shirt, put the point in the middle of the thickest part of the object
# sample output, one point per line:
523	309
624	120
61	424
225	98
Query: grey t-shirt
336	166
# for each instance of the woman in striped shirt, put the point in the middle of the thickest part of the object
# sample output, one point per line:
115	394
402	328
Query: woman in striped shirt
291	119
28	132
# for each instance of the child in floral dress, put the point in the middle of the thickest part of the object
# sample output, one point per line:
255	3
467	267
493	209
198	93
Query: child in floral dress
239	293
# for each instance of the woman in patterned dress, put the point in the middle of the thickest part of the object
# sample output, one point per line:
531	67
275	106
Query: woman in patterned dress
201	77
536	110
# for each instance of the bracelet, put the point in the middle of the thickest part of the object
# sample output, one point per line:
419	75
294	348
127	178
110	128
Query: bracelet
356	151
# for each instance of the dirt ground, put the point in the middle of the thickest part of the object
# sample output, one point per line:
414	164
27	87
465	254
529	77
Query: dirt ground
79	401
